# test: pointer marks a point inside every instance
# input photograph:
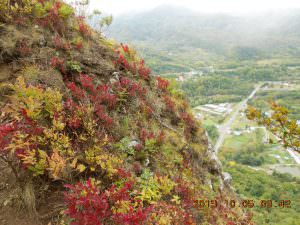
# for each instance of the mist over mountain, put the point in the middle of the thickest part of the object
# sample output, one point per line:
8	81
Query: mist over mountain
209	37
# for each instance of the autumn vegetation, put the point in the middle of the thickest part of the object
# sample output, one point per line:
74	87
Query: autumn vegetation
286	130
84	119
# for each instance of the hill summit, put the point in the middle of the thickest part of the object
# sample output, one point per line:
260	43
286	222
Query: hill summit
89	135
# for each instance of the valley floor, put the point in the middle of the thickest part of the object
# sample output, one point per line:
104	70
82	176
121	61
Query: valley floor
261	168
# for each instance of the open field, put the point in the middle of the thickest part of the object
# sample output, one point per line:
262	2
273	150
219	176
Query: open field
245	141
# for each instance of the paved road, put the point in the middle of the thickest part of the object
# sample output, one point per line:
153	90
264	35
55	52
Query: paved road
282	168
295	155
223	130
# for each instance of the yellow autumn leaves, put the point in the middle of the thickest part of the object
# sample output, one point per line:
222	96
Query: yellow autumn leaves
50	149
279	123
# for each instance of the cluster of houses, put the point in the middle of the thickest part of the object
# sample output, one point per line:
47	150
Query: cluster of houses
222	109
277	85
195	73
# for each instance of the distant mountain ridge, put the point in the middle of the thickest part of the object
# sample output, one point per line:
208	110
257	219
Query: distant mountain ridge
239	37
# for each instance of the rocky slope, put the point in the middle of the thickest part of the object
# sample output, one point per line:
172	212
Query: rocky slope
88	135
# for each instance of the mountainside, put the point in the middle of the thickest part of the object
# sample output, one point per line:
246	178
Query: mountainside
209	37
88	135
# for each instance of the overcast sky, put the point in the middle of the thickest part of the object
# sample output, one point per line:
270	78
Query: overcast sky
116	7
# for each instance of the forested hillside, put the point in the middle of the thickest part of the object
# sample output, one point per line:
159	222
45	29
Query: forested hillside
184	39
90	136
225	63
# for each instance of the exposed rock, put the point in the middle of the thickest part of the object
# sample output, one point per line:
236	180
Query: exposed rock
133	144
227	178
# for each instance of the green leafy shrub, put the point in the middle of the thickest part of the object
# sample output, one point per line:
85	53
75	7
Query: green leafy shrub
53	14
153	188
74	66
66	11
42	140
125	146
150	189
14	12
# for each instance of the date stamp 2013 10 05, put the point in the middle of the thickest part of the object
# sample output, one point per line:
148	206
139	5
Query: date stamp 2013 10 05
247	203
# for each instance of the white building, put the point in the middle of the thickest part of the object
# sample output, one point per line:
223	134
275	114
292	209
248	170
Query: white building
237	133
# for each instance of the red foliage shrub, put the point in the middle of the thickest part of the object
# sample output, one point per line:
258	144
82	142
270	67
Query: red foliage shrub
88	205
162	83
145	135
54	12
88	83
125	48
136	88
144	71
104	88
6	132
137	213
185	193
137	167
59	64
100	111
24	125
190	124
128	62
123	62
73	121
133	217
124	174
139	147
147	108
52	19
77	92
133	68
122	58
79	45
70	104
28	125
171	106
83	28
109	99
188	119
125	82
105	95
100	96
